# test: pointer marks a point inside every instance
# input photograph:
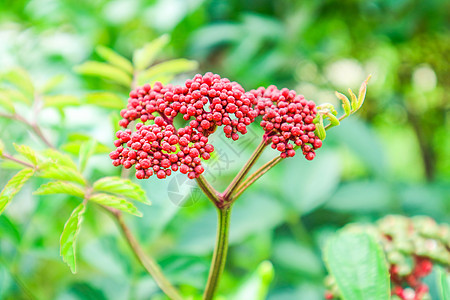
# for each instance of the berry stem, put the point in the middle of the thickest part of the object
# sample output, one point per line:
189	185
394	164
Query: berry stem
147	262
245	169
262	170
255	176
220	252
209	191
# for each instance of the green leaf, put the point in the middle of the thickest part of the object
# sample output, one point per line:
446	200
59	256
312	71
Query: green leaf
116	202
69	237
2	147
114	121
60	187
443	278
115	58
144	57
121	187
6	102
174	66
76	140
362	92
60	172
27	152
60	101
87	149
13	187
257	286
354	100
52	83
17	96
20	78
320	129
345	103
59	158
359	267
9	229
333	120
106	100
106	71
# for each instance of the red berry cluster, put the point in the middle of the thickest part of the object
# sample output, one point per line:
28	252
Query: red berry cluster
287	117
229	105
206	102
411	287
160	149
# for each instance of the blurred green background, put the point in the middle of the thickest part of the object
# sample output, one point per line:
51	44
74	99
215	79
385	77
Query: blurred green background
393	157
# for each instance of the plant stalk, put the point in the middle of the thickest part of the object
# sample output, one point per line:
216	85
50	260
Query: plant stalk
245	169
220	252
147	262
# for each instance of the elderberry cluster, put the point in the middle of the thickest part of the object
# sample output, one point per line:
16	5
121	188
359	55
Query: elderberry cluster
205	103
287	119
412	247
416	289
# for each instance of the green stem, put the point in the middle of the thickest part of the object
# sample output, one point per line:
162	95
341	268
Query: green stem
208	190
245	169
255	176
220	252
147	262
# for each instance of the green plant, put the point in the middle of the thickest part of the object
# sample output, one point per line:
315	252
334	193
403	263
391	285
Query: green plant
114	194
362	259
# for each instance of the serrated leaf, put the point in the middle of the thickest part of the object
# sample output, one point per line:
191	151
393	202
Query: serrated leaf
174	66
105	99
87	149
121	187
359	267
20	78
60	187
114	58
52	83
6	103
345	103
354	100
27	152
443	278
13	187
144	57
333	120
60	158
59	172
60	101
106	71
69	237
116	202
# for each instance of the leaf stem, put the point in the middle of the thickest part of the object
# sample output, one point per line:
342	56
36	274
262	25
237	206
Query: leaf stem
220	252
34	127
150	265
12	158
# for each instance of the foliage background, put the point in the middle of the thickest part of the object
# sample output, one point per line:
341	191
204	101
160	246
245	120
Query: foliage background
393	158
